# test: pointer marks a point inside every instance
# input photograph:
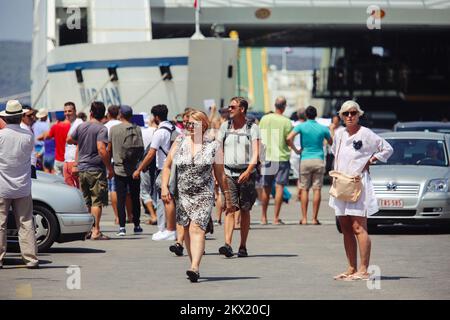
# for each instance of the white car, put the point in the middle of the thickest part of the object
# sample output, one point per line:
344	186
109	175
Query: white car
60	213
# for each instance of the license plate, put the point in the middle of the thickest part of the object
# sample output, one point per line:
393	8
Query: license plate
390	203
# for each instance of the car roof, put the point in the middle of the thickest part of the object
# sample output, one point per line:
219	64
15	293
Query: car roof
423	124
415	135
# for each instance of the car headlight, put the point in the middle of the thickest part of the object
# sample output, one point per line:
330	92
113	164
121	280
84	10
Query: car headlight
437	185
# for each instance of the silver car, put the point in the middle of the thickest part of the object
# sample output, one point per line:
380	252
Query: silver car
413	186
431	126
60	213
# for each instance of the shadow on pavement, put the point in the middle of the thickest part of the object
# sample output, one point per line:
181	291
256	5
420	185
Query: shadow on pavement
272	255
14	263
226	278
122	238
397	278
72	250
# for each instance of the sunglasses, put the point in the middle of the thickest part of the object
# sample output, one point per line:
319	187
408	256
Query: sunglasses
192	125
347	113
233	107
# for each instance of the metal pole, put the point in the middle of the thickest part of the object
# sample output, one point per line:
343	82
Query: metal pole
40	93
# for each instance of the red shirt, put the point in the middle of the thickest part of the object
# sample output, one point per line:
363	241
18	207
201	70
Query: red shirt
59	131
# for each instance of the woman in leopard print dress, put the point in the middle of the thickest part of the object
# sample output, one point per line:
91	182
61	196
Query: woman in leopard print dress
196	157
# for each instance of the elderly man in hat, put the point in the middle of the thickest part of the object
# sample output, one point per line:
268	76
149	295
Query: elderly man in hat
16	146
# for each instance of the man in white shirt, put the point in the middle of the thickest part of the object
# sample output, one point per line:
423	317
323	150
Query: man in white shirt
71	179
159	148
16	146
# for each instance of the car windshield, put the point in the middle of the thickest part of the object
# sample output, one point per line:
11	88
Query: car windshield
443	129
420	152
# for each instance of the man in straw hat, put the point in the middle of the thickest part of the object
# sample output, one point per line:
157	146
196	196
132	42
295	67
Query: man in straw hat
16	146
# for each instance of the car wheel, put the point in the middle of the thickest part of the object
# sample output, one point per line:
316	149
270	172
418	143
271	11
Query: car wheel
47	228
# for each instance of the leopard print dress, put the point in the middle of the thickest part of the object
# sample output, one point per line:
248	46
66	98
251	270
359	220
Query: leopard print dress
194	198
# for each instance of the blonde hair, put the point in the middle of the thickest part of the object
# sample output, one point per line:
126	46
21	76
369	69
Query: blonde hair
200	116
350	104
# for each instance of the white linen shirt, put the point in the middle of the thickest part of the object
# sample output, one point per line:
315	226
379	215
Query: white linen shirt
71	149
16	146
33	153
350	161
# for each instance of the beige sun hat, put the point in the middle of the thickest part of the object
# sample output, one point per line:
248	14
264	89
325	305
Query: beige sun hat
13	108
43	112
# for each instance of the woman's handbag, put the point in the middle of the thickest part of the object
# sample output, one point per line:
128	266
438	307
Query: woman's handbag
345	187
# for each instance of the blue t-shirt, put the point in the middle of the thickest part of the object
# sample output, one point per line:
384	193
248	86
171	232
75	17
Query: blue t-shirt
312	135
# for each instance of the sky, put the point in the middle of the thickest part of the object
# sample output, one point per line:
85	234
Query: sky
16	20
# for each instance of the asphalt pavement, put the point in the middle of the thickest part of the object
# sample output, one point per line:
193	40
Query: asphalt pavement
286	262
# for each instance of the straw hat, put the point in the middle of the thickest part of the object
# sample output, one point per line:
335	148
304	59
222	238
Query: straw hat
13	108
42	113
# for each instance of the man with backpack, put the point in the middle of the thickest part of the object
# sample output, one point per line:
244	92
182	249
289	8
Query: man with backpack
159	148
127	148
240	139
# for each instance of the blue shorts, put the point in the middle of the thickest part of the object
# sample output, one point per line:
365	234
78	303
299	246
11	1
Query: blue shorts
275	171
112	185
49	161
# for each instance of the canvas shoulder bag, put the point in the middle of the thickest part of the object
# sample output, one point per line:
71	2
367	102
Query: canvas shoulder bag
345	187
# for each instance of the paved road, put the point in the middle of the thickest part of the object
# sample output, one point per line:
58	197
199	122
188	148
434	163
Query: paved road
286	262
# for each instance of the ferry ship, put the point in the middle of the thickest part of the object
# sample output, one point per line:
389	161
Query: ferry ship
103	50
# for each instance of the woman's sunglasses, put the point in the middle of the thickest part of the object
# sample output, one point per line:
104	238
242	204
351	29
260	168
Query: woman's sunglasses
347	113
192	124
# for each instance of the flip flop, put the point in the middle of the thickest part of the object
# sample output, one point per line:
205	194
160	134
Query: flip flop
280	222
317	223
101	236
342	276
358	277
303	224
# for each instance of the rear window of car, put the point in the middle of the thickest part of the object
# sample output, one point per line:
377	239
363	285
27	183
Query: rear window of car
420	152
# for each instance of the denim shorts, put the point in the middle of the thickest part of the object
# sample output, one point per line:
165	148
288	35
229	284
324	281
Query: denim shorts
275	171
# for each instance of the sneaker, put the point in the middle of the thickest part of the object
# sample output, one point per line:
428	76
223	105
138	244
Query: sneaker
226	250
177	248
242	253
165	235
122	232
138	229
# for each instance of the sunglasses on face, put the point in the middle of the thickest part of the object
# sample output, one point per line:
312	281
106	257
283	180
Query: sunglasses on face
347	113
192	125
233	107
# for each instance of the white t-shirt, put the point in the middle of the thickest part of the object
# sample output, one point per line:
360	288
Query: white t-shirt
71	149
147	135
161	138
112	123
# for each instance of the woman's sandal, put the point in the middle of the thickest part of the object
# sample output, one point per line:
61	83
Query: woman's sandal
193	275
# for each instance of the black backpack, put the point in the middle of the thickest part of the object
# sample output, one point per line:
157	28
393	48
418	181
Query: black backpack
132	150
173	135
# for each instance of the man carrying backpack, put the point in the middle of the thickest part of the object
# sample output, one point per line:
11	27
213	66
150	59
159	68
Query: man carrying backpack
127	149
240	139
159	148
